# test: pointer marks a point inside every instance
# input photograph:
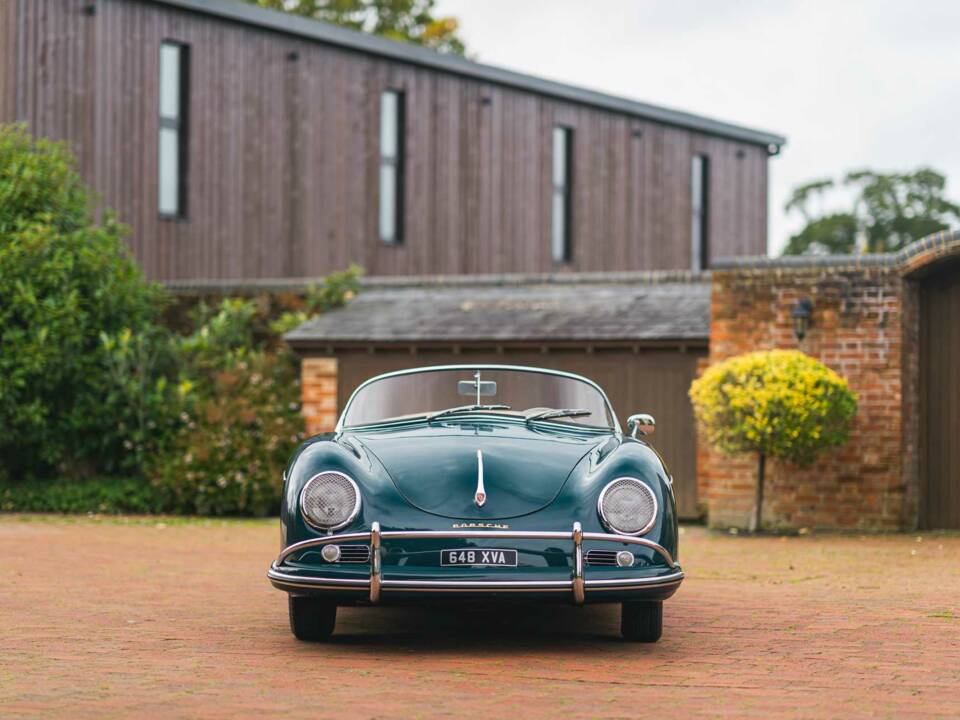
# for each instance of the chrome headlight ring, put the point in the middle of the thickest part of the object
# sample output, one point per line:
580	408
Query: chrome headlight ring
625	484
340	483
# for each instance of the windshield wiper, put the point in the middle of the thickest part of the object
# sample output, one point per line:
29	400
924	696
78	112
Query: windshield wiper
559	413
465	408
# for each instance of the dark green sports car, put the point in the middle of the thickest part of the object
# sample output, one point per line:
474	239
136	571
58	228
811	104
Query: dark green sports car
478	483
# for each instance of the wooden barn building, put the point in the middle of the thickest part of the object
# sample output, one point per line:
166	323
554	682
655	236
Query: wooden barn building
243	143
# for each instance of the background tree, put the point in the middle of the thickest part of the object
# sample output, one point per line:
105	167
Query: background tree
404	20
890	210
778	403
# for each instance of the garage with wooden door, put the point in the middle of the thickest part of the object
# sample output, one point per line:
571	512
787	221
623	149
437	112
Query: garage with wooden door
639	336
940	397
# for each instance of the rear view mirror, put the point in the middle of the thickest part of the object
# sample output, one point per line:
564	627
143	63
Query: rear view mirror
487	388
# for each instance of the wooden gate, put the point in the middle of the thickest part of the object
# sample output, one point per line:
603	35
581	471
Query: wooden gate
940	399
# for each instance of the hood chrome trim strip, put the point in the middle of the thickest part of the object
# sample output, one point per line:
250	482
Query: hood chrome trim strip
480	496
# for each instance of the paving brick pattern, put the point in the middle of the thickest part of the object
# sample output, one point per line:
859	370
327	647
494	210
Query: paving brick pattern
121	618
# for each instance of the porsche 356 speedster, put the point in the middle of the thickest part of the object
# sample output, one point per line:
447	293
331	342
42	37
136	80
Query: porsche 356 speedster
478	483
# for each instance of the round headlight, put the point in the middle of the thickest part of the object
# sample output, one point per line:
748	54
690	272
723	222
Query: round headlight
628	506
330	500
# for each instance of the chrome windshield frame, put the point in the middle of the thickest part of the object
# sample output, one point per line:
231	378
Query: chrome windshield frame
481	366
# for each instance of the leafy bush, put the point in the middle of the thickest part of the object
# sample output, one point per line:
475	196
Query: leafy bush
109	495
337	288
242	414
223	334
39	184
64	282
781	403
778	403
229	455
142	395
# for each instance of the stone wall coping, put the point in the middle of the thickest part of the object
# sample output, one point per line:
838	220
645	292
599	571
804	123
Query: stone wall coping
910	259
805	262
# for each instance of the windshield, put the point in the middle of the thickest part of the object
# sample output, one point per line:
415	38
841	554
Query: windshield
450	392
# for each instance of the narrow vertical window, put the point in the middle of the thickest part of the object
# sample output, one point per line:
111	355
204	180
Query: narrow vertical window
699	212
391	166
172	141
560	207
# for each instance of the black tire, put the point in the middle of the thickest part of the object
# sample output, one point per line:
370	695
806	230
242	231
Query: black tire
312	619
642	621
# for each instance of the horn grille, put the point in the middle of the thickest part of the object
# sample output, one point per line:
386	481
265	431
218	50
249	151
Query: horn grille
354	554
604	558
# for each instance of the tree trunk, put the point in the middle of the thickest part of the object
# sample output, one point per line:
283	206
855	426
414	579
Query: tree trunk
755	518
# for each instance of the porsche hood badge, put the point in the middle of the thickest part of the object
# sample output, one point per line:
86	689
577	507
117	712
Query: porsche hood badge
480	497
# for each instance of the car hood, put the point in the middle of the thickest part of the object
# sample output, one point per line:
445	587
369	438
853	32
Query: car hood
436	468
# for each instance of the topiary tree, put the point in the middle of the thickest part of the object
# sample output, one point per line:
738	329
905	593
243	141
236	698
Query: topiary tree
778	403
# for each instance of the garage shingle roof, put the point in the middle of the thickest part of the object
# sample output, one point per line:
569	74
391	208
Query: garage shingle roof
643	307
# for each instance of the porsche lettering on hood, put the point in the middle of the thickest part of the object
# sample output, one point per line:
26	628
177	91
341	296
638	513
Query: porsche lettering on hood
473	476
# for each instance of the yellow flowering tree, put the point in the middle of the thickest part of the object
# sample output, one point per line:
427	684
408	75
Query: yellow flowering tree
777	403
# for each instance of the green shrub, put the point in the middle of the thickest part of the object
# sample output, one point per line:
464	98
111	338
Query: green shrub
142	395
223	335
64	282
38	184
241	415
778	403
110	495
229	455
337	288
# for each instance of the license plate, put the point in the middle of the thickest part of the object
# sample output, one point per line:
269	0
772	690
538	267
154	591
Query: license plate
479	556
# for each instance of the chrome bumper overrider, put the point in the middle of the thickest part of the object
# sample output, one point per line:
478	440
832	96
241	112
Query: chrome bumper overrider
376	583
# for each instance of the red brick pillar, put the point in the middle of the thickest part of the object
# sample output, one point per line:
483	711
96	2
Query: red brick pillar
318	393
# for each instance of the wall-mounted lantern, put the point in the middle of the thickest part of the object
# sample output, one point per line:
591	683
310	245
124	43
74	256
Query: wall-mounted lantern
801	317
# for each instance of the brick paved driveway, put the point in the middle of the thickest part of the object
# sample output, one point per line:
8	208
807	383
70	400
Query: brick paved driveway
102	618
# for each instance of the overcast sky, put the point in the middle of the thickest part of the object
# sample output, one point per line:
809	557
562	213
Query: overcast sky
851	83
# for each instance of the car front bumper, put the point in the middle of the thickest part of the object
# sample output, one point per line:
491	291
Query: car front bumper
656	582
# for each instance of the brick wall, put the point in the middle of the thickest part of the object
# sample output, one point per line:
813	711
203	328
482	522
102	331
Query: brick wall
318	391
857	329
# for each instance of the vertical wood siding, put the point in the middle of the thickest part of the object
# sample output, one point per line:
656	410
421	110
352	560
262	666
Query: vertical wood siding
940	399
8	61
283	153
